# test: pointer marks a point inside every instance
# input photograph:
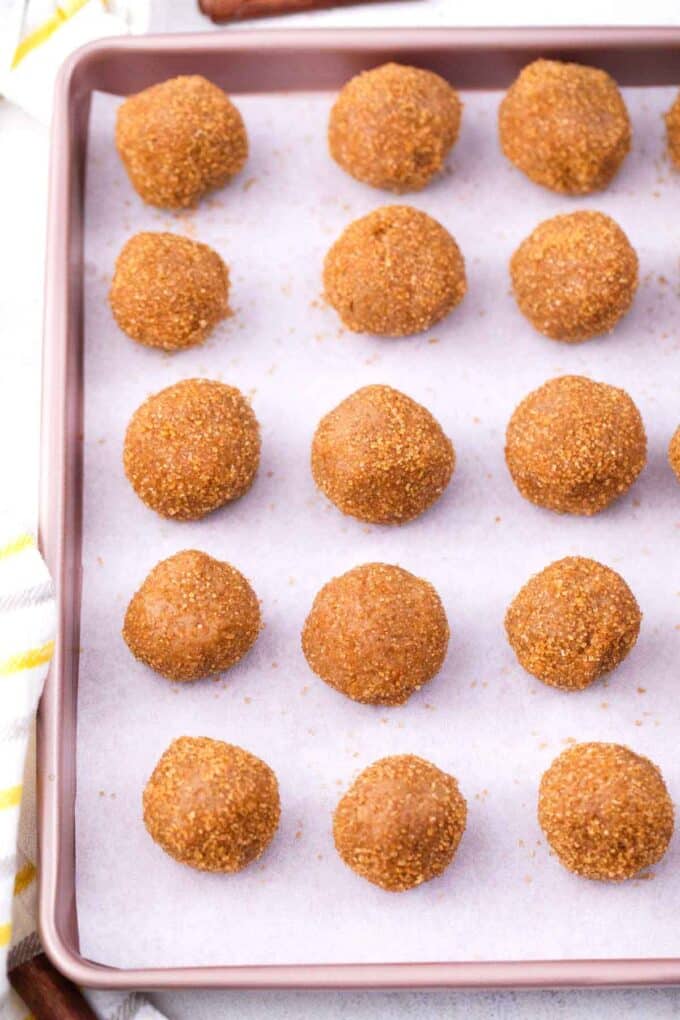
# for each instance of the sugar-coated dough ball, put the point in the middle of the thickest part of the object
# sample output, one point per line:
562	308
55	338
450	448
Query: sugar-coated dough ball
180	139
393	126
193	616
674	453
673	131
376	633
192	448
605	811
575	276
211	805
394	272
573	622
168	291
565	126
400	822
381	457
574	445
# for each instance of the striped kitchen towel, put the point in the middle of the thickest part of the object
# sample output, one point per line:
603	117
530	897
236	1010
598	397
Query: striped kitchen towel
27	620
27	625
36	36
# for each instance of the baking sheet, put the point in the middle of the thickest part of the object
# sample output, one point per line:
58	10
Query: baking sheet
483	719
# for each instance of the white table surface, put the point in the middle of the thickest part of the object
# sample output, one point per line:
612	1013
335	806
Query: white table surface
23	183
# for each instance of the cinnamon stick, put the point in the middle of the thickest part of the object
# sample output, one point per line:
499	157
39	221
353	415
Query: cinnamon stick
240	10
47	993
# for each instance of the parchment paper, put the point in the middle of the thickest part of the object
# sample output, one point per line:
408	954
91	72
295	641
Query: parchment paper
482	718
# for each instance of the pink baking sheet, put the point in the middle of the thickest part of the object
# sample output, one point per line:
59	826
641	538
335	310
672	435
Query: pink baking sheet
483	719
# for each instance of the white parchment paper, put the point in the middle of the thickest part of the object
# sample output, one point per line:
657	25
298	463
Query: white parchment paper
482	718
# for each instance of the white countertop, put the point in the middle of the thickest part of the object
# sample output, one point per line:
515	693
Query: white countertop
23	181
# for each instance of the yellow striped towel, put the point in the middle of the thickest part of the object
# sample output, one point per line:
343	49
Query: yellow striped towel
36	36
27	619
27	623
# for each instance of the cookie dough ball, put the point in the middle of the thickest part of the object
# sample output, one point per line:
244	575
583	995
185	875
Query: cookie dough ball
672	119
192	448
565	126
400	822
393	126
394	272
605	811
377	634
179	140
381	457
573	622
674	453
575	276
193	616
211	805
168	291
574	445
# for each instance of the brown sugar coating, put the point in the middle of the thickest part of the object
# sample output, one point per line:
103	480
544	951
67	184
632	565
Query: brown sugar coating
381	457
605	811
674	453
179	140
192	448
394	272
168	291
211	805
574	445
575	276
565	126
573	622
400	822
193	616
672	119
377	634
393	126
